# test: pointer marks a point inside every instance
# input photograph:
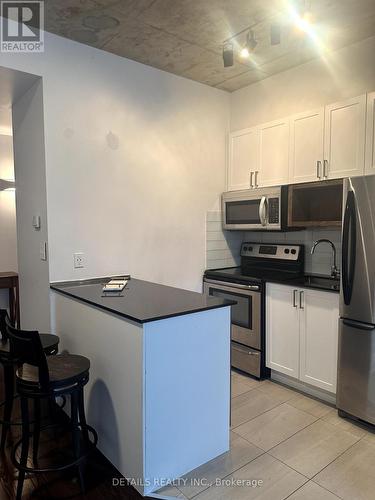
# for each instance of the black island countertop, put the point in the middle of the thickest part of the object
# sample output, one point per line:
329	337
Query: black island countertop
141	301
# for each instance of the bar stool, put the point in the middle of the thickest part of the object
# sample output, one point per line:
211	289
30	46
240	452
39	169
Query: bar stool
50	346
40	377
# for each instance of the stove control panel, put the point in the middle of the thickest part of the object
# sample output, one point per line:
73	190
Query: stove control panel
271	251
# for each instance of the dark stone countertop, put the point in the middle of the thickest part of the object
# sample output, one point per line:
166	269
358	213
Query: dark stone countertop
314	282
141	301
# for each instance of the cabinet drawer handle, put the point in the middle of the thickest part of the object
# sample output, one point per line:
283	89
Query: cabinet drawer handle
325	169
301	300
251	179
256	178
318	169
295	298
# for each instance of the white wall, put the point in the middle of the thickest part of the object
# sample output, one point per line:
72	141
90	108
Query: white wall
31	200
134	158
8	236
345	73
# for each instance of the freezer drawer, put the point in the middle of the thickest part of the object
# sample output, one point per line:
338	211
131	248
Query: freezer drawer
356	370
245	359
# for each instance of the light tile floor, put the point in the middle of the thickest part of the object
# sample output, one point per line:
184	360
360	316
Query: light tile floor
285	445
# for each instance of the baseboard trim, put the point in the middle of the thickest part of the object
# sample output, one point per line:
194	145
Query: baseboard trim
325	396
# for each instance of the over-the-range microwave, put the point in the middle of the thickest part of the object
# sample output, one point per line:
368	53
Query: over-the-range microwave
264	209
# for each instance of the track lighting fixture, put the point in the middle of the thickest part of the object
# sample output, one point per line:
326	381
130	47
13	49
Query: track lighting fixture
247	49
275	34
228	56
249	46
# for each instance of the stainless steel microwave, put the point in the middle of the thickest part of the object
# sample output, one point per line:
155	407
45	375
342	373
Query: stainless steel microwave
264	209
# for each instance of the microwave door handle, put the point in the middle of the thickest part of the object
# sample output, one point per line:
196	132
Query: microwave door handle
263	211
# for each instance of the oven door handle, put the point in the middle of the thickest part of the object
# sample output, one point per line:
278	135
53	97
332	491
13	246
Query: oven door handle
263	211
253	288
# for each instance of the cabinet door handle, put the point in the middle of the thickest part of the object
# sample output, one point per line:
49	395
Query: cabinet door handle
301	300
318	169
256	178
295	298
325	169
251	179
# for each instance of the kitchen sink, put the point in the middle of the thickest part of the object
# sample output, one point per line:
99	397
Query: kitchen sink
325	282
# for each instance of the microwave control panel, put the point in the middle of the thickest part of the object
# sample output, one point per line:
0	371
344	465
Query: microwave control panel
273	210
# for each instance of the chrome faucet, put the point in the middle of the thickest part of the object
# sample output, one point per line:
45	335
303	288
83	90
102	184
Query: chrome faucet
335	273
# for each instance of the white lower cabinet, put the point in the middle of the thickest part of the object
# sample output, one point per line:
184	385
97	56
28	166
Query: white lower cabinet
302	334
282	343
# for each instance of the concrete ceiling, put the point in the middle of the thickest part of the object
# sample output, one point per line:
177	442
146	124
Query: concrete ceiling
185	37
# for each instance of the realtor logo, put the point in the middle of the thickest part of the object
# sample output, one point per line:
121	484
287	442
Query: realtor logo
22	26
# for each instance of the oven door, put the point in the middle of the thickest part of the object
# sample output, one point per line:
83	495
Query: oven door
246	314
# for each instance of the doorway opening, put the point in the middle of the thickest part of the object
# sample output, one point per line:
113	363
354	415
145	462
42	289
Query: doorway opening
23	204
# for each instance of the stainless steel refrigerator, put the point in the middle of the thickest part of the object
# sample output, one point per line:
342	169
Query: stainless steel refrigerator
356	360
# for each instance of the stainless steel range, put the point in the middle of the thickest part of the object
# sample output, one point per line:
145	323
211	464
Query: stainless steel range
246	285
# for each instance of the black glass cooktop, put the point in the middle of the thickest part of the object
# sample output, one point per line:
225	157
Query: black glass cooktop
253	275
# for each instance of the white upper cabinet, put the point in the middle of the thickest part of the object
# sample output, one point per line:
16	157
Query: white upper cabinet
319	339
344	138
282	329
370	135
274	154
243	158
306	146
326	143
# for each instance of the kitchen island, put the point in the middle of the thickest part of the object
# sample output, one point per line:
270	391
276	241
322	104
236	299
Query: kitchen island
159	389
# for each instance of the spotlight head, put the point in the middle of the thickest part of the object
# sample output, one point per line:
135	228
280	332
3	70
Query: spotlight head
228	55
245	53
275	34
251	42
249	46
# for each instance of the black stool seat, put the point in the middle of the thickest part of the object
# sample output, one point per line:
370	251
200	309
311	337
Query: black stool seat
64	370
49	344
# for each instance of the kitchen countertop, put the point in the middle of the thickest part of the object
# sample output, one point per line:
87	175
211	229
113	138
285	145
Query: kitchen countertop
301	282
141	301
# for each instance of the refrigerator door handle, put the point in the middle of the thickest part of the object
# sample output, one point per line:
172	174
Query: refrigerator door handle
349	248
358	325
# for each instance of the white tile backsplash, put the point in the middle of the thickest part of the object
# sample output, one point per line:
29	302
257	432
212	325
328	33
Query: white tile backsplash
223	247
321	261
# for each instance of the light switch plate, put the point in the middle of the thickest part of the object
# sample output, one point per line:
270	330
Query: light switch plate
79	260
36	222
43	250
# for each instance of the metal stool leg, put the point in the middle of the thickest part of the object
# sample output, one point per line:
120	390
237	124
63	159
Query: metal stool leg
82	417
76	436
36	432
25	445
9	395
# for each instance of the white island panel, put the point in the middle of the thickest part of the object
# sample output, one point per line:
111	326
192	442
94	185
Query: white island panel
187	393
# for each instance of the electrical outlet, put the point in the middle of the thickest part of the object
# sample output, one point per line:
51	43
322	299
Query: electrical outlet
79	260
